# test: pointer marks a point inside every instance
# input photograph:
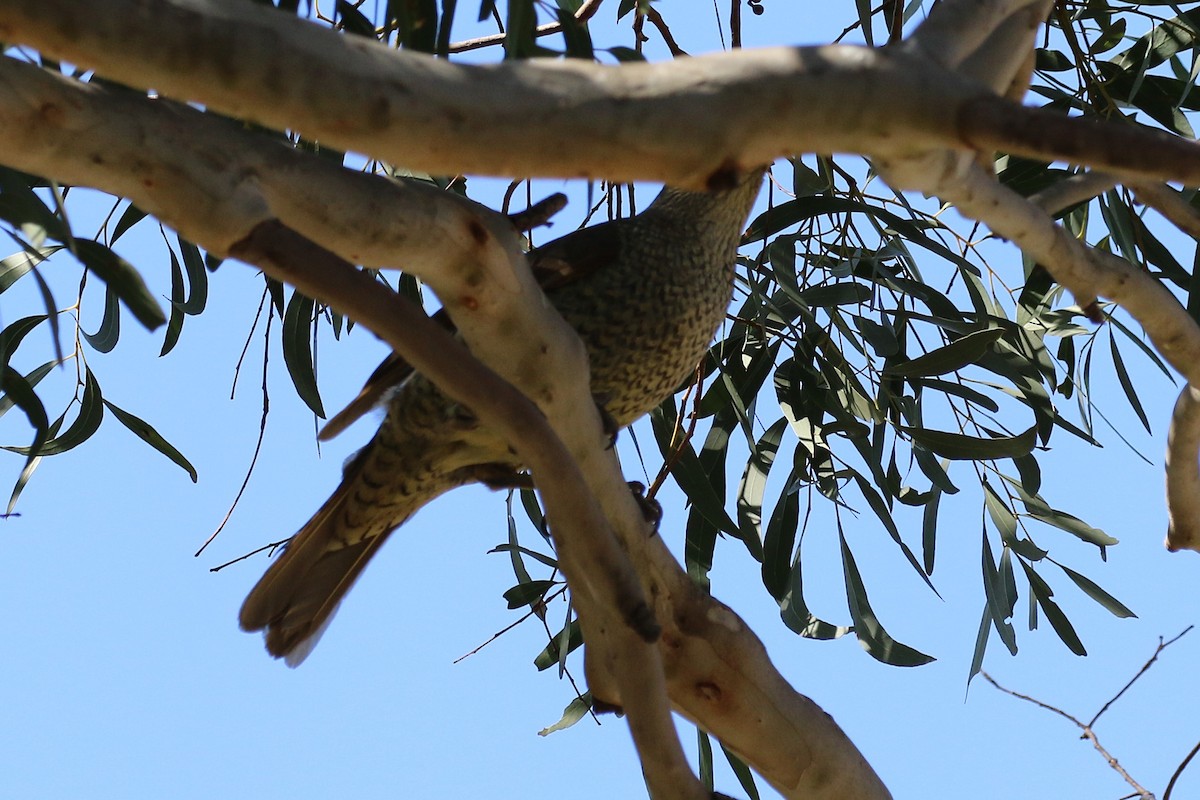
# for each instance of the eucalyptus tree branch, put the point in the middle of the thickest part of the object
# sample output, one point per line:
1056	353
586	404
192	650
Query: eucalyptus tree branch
1079	188
1170	204
990	41
216	183
957	32
680	121
1183	472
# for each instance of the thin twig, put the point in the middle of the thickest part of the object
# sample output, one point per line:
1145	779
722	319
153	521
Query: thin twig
262	430
237	368
1088	734
531	612
585	12
1179	771
1161	646
665	31
253	552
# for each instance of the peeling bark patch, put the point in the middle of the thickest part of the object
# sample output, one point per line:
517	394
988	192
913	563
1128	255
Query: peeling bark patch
379	113
722	616
708	691
477	231
52	114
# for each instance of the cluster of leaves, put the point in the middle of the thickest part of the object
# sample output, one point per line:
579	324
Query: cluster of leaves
881	381
40	232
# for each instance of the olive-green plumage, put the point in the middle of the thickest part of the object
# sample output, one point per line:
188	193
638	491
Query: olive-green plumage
646	294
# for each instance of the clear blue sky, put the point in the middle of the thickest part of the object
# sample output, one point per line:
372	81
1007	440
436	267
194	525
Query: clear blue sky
125	675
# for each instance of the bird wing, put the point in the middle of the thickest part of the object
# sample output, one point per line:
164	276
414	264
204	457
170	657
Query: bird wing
559	263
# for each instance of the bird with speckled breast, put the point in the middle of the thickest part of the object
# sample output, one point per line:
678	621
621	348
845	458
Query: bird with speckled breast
646	294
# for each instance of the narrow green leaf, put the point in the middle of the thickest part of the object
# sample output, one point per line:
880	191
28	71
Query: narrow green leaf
957	390
19	391
1002	517
959	447
297	351
795	614
576	710
197	277
1030	472
754	482
444	27
352	20
11	337
124	280
85	424
625	54
999	605
563	641
981	639
106	336
871	634
33	378
175	323
933	469
704	746
520	40
575	35
1126	384
744	776
533	510
21	206
950	358
144	431
1164	40
929	529
526	594
1092	590
689	473
514	549
19	264
1040	510
880	336
835	294
885	516
131	216
549	657
549	561
778	543
1058	620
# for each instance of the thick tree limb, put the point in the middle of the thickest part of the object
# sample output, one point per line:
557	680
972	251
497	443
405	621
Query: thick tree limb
1183	472
677	122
